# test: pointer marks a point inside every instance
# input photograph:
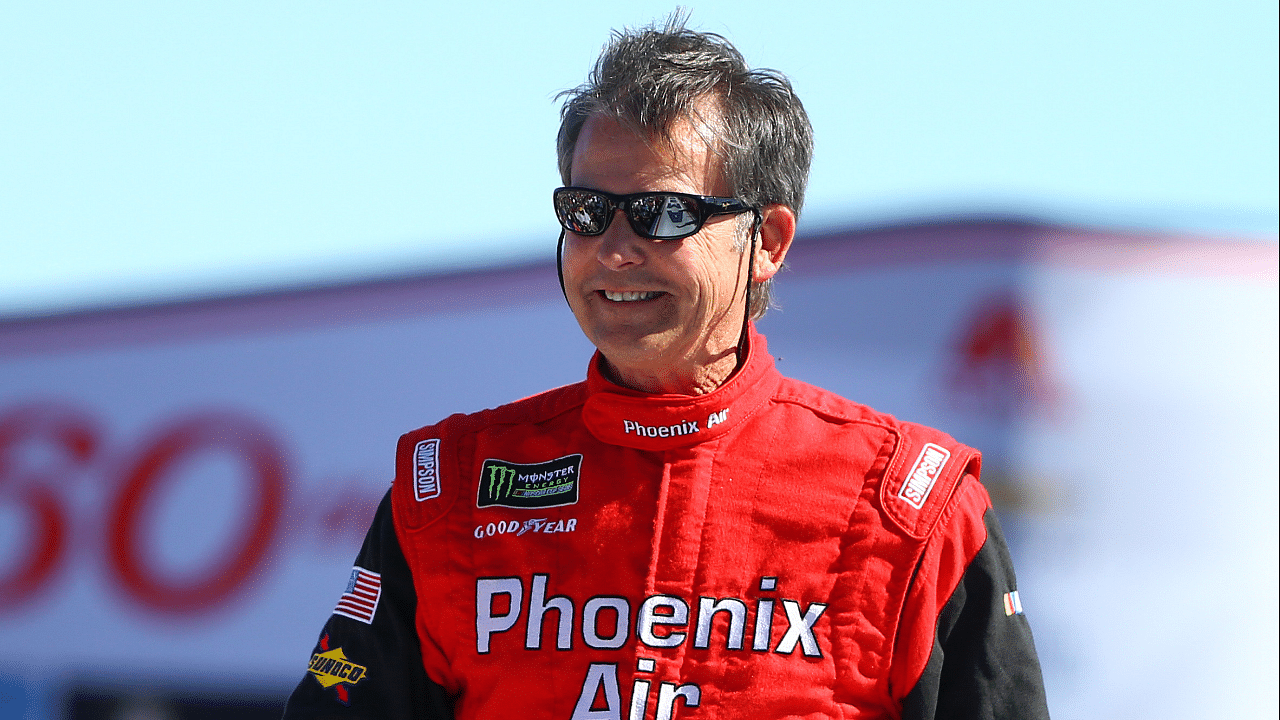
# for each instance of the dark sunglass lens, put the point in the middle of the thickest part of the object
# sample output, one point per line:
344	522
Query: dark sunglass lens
643	213
585	213
665	216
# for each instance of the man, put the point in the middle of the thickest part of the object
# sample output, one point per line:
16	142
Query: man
686	533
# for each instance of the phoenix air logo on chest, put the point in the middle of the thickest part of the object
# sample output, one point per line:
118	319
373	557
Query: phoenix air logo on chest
924	474
538	485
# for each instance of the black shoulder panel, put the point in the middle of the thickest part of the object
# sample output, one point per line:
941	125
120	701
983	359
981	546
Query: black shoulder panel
367	663
983	665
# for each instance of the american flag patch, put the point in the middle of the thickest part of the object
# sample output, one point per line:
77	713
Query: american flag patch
1012	604
360	600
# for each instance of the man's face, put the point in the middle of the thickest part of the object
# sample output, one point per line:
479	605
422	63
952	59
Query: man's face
666	315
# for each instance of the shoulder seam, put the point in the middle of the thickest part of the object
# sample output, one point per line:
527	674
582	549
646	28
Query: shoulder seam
832	406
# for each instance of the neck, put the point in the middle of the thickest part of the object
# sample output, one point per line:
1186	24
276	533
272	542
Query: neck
703	379
697	377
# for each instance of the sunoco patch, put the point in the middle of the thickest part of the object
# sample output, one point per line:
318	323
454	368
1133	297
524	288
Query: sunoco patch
333	669
540	485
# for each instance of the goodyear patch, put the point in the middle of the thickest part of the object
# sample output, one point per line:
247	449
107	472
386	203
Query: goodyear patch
538	485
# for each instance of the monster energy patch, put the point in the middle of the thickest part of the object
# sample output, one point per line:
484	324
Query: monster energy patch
540	485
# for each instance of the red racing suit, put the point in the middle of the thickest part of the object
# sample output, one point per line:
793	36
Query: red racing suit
769	550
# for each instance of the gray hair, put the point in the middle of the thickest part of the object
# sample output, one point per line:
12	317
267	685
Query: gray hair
651	78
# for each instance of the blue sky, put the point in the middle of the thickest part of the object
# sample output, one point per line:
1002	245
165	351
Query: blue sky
155	150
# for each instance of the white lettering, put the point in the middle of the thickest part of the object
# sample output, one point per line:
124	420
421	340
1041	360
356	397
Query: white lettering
667	694
764	626
486	622
686	427
648	617
538	607
426	478
801	629
500	605
542	525
639	700
622	616
600	676
529	478
924	473
707	608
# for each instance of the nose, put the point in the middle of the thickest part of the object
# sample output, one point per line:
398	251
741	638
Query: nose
619	246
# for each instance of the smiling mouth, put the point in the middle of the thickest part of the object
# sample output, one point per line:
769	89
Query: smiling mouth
629	296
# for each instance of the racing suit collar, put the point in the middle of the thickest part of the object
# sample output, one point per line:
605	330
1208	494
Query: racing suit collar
630	418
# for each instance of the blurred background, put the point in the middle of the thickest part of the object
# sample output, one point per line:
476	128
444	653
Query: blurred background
244	246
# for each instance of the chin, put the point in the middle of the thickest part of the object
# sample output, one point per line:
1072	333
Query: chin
634	352
638	353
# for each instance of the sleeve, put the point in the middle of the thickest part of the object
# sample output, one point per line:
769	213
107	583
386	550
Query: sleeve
368	663
983	665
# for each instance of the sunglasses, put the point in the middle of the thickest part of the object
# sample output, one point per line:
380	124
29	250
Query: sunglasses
652	215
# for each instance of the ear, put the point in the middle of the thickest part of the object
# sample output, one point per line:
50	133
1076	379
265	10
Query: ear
777	230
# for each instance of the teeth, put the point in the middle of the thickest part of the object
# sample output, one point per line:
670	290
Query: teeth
629	296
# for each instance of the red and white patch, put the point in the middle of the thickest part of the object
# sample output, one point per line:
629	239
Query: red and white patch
924	473
426	470
1012	603
360	601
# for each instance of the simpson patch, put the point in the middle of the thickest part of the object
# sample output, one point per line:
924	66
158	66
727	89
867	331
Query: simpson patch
924	474
426	470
